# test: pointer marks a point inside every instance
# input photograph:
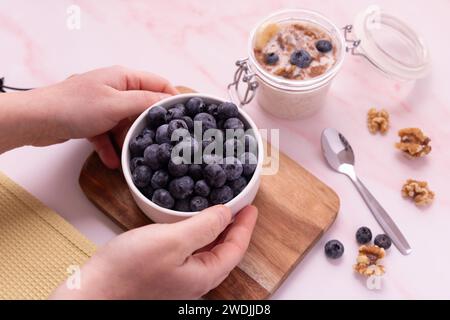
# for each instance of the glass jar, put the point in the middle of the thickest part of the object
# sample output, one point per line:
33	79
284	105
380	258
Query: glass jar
399	53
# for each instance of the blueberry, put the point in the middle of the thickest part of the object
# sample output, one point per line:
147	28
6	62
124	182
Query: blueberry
177	170
301	58
175	113
233	147
179	127
141	176
181	188
271	58
199	203
212	159
383	241
156	116
237	185
334	249
249	163
139	143
250	144
187	148
232	167
189	122
227	110
201	188
195	171
147	131
195	105
207	121
324	46
183	205
160	179
221	195
363	235
147	191
214	175
162	134
164	153
135	162
151	156
213	109
233	123
163	198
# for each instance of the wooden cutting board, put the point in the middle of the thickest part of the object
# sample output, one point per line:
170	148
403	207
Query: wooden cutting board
295	209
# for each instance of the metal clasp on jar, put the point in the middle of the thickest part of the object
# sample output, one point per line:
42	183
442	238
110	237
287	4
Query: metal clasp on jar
243	73
353	44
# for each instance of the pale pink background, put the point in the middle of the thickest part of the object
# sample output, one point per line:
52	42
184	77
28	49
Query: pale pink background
196	43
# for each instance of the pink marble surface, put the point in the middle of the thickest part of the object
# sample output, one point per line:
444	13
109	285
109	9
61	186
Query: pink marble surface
195	43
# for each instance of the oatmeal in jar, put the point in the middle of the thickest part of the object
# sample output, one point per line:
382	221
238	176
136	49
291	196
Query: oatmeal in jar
295	50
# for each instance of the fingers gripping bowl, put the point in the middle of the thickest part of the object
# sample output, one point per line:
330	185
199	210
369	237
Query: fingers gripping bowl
169	190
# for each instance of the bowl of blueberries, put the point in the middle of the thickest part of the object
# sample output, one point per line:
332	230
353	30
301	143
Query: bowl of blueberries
189	152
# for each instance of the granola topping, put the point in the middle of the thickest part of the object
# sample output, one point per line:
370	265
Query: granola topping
413	142
418	191
368	262
378	121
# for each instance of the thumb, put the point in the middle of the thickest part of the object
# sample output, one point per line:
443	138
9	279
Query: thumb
202	229
133	102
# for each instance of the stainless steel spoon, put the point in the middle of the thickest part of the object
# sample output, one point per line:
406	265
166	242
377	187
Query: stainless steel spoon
340	157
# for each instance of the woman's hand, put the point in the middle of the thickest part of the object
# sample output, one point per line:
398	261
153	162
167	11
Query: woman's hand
96	105
183	260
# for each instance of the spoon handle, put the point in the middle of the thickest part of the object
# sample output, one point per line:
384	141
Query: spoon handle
383	218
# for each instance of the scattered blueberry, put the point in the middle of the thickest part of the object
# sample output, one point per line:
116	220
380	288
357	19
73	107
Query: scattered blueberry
232	167
383	241
363	235
271	58
151	156
160	179
201	188
214	175
177	170
334	249
181	188
207	121
249	163
183	205
142	176
162	134
301	58
139	143
163	198
164	153
156	116
199	203
195	105
221	195
237	185
195	171
135	162
324	46
227	110
233	123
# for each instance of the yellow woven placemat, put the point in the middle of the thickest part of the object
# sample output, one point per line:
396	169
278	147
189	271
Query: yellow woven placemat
37	246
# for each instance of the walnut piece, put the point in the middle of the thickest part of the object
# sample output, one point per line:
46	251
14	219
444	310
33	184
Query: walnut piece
368	262
418	191
377	121
413	142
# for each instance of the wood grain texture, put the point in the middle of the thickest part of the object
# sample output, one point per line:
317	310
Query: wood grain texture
295	209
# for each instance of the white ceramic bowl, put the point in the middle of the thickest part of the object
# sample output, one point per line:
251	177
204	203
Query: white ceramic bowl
163	215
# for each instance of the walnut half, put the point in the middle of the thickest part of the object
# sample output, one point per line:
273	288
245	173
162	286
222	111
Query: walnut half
418	191
377	120
413	142
368	262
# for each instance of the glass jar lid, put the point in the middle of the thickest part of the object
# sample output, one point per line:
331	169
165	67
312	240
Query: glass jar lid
390	45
